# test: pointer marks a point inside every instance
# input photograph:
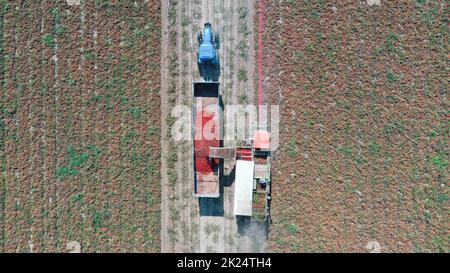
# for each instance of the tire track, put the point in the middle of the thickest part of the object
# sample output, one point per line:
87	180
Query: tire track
165	245
195	233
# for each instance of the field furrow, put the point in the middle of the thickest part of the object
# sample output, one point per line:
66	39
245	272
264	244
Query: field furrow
80	157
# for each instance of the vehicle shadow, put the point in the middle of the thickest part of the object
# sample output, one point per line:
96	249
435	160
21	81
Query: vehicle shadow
214	206
209	72
211	206
229	179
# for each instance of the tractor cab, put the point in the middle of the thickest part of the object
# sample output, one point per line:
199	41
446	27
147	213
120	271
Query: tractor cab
208	45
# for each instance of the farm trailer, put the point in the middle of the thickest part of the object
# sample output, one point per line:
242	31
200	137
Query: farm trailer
207	134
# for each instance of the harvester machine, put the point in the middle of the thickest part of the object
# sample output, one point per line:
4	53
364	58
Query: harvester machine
253	178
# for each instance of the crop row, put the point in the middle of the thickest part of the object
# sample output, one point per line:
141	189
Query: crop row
364	126
80	131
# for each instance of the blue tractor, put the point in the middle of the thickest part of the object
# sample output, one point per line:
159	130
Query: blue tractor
208	46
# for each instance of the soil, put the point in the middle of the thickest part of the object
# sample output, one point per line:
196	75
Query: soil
189	224
80	135
364	151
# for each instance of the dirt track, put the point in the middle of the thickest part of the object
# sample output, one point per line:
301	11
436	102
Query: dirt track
187	224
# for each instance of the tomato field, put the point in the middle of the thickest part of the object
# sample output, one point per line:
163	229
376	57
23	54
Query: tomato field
89	162
364	130
80	126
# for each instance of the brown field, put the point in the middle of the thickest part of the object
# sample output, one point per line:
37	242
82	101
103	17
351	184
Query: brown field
364	125
87	154
80	126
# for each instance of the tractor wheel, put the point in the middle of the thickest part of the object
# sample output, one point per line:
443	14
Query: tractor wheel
217	40
199	37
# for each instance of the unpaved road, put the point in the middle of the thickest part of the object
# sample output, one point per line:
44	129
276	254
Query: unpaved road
187	223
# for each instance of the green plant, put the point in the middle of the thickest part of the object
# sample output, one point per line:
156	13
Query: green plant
390	76
374	148
292	148
291	227
77	198
71	82
242	47
346	150
59	30
439	162
390	39
76	160
242	75
98	217
152	131
315	14
48	40
243	11
135	112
